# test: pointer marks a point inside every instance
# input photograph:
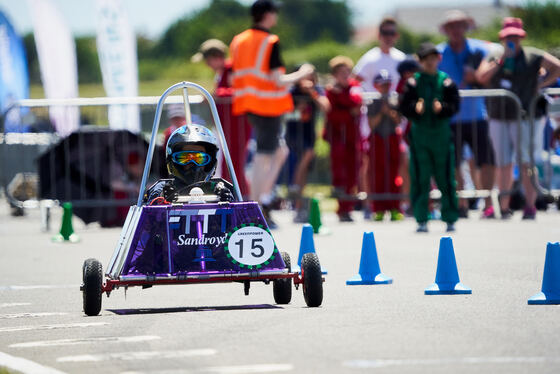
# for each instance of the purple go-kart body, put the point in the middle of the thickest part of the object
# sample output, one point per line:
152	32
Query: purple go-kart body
198	240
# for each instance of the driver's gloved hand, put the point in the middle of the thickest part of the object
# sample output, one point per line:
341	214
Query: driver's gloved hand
170	193
223	193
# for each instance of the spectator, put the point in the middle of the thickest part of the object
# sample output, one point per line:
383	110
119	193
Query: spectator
384	150
430	98
261	92
236	128
406	70
517	69
342	132
387	57
461	57
309	99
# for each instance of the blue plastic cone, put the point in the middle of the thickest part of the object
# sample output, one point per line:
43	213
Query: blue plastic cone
447	276
369	272
550	290
306	245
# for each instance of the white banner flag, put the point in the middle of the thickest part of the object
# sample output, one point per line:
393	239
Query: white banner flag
57	60
116	46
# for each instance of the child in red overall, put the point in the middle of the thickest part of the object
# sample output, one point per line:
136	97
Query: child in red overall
342	132
384	150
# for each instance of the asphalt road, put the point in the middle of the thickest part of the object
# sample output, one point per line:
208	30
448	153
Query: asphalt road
359	329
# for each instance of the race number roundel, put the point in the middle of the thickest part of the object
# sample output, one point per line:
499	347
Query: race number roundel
250	246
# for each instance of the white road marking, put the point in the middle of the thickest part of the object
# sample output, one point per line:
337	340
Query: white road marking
242	369
37	287
51	327
30	315
132	356
25	366
375	364
9	305
65	342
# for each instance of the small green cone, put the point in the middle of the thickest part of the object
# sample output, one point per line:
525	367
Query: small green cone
66	230
315	215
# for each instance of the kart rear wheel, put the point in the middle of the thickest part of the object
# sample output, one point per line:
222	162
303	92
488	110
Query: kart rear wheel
93	286
282	288
312	280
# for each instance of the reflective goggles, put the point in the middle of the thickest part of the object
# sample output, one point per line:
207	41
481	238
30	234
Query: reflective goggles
196	157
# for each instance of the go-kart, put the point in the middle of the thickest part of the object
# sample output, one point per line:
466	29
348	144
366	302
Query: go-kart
198	239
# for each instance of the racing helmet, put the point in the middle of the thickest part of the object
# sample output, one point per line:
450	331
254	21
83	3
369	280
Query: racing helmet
188	163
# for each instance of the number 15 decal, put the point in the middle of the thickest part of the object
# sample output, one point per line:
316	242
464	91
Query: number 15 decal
251	245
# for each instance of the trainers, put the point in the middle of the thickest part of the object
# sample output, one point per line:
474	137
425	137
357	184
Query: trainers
506	214
266	214
422	227
345	217
488	213
463	212
302	216
529	212
379	216
450	227
396	215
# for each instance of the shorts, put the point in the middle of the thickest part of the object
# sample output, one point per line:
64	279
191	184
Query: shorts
300	136
267	132
476	135
504	139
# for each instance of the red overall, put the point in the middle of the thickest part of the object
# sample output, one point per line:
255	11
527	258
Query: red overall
236	130
343	133
384	160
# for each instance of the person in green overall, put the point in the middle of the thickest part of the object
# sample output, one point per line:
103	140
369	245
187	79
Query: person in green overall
429	100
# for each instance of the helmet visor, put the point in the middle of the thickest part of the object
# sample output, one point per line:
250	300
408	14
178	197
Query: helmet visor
196	157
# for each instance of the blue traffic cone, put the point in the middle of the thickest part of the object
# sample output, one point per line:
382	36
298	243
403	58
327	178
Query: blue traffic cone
447	276
369	272
550	290
306	245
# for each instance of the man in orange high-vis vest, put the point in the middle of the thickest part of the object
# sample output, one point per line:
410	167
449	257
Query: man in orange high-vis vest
261	90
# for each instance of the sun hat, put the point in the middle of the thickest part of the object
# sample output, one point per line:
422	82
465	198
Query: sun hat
456	15
512	26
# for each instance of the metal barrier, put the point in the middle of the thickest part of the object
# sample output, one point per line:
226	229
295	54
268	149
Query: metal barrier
549	193
72	168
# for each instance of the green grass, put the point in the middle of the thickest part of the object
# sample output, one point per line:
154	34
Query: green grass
7	371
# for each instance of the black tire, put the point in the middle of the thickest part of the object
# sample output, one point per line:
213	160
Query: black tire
92	286
312	280
282	288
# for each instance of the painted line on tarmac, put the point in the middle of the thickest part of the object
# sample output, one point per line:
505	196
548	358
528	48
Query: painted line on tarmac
30	315
241	369
66	342
52	327
133	356
9	305
377	364
248	369
25	366
37	287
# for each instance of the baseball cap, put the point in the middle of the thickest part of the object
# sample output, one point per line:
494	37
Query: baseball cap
512	26
426	49
209	47
175	110
409	64
382	77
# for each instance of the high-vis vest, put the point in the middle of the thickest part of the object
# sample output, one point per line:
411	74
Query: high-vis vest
255	90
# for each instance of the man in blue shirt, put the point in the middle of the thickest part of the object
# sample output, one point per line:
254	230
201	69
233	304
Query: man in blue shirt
460	59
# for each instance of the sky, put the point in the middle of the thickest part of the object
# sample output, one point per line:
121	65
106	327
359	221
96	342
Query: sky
151	17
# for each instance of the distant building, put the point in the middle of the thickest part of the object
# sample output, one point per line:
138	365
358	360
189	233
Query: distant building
428	18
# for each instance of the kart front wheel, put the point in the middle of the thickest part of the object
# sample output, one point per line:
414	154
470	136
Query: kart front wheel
92	287
282	288
312	280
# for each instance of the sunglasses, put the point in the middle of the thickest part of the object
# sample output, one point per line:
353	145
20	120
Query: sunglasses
388	32
196	157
